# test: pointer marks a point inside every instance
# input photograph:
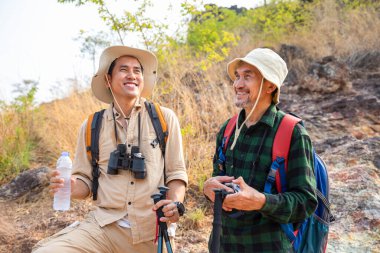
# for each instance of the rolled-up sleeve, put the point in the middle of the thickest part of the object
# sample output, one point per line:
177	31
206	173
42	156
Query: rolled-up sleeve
174	159
81	165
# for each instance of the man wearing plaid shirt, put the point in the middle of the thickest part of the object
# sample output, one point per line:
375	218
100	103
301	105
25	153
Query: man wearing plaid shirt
252	218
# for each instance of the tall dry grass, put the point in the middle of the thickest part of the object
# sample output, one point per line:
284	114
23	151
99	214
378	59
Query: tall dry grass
339	32
61	121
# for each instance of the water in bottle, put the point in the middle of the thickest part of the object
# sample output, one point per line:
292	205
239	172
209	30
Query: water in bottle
62	196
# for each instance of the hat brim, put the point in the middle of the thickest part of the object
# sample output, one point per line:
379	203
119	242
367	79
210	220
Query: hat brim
147	59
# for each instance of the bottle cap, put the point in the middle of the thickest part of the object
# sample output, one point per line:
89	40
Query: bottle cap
65	153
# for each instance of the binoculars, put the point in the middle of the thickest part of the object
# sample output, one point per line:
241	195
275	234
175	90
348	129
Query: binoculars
120	160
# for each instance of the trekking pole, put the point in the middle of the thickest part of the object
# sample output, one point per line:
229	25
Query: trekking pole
156	197
220	194
163	191
163	229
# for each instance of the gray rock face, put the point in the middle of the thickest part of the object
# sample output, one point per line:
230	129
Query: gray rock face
27	185
339	103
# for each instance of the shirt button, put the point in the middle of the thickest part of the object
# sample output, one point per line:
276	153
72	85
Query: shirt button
132	183
129	203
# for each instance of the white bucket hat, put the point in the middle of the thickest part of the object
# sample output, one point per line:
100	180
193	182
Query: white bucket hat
147	60
270	64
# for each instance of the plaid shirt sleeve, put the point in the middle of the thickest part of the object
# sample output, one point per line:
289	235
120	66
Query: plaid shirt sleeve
299	201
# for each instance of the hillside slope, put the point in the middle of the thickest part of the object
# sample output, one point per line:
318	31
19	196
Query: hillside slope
339	102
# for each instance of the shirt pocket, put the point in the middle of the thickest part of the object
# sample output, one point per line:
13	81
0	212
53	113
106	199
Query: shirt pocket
150	148
154	161
112	190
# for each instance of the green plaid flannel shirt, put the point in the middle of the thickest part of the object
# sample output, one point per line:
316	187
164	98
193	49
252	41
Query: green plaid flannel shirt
259	231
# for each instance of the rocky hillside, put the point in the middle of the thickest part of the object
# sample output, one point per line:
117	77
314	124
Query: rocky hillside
338	100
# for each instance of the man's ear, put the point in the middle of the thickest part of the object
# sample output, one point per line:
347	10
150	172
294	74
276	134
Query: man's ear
270	87
108	80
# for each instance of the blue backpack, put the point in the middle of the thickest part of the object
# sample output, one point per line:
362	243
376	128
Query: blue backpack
312	234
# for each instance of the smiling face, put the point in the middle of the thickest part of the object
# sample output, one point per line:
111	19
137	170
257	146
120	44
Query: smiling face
126	79
246	85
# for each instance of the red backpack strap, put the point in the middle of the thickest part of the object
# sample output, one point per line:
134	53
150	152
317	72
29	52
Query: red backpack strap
281	144
228	131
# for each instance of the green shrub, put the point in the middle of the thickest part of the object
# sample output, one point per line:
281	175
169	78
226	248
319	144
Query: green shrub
16	126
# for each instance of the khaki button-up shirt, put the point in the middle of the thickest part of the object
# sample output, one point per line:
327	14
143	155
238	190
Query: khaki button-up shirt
123	195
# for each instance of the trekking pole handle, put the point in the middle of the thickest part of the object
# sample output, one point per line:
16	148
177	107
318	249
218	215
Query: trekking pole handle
163	190
157	197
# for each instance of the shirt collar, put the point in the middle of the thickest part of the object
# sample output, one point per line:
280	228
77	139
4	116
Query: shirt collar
268	118
136	108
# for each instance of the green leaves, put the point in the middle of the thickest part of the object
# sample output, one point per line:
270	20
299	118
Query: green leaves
209	36
16	125
149	30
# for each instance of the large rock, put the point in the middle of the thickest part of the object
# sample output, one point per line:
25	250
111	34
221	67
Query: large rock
28	185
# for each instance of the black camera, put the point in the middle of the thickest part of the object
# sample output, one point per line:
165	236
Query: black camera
233	186
120	159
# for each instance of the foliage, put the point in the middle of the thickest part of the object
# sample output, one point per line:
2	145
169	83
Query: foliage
16	130
91	43
208	36
128	23
276	20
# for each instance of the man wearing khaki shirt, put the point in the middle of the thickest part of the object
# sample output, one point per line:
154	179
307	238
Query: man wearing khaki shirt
124	219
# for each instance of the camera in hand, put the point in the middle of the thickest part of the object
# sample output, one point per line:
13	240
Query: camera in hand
121	160
233	186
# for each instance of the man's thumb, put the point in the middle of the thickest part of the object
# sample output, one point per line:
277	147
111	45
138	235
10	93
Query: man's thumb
240	181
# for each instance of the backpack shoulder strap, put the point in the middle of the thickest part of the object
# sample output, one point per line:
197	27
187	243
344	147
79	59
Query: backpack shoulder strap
281	144
223	146
279	166
228	131
159	123
281	147
92	147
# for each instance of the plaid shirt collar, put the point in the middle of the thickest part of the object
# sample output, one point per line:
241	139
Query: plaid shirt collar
268	118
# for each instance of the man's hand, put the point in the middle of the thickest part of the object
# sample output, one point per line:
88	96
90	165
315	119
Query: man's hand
216	183
248	199
79	190
176	192
57	182
169	209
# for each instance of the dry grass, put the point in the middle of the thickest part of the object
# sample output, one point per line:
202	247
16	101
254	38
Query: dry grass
337	32
61	122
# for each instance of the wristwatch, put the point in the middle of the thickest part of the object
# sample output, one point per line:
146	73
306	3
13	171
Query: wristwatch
181	208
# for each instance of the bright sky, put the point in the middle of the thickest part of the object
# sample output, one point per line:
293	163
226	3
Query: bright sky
37	41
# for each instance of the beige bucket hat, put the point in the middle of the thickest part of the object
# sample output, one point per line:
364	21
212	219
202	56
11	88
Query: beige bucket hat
270	64
147	59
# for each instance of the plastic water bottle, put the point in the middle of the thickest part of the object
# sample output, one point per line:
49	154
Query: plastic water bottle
62	196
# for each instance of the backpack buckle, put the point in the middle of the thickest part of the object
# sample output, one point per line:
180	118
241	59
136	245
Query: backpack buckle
154	143
272	175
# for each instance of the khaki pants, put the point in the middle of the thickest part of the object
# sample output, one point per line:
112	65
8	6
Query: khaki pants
88	236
